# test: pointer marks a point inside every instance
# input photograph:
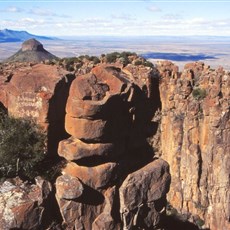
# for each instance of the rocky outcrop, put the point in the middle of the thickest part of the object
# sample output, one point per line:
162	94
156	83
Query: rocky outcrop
22	205
114	178
108	117
31	51
143	195
38	92
195	141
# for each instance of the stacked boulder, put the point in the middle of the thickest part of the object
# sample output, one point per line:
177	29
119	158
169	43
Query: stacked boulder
111	180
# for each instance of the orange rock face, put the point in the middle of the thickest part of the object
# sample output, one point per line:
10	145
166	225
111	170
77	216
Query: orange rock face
38	92
29	91
195	141
75	149
96	177
108	113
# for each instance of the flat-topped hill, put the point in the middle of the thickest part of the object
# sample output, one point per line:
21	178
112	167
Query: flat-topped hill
31	51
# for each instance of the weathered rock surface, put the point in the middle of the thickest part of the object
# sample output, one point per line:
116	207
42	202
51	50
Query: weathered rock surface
105	220
142	195
99	176
108	113
69	187
75	149
195	134
22	205
38	92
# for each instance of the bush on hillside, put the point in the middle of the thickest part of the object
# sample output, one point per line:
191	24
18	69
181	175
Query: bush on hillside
199	93
94	59
112	57
138	62
22	147
123	57
148	64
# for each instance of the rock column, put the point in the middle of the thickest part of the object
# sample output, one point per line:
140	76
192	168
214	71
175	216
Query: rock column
107	183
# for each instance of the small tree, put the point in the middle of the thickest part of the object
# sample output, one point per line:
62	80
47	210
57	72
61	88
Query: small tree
22	147
112	57
199	93
148	64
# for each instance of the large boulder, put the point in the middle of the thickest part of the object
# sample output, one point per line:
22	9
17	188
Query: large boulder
75	149
69	187
142	195
22	205
38	92
97	177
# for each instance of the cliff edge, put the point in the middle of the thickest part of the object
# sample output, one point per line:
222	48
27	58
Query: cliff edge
195	141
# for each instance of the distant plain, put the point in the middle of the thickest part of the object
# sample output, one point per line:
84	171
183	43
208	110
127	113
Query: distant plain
213	50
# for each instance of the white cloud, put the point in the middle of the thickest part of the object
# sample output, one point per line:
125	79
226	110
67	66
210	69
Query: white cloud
60	25
198	21
172	24
29	20
172	16
154	8
23	24
95	20
12	9
40	12
123	16
45	12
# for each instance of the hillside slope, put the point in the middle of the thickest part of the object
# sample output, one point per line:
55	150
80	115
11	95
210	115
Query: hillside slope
31	51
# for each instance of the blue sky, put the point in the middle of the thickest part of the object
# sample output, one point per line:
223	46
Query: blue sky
120	18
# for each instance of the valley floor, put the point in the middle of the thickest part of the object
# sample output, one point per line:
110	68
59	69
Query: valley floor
215	51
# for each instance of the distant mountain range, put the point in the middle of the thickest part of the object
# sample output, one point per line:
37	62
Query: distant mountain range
19	36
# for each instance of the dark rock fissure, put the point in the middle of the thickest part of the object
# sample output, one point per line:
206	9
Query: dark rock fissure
56	115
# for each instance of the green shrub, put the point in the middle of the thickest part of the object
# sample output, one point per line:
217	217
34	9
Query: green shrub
71	60
170	210
127	54
148	64
199	93
199	222
71	63
51	168
94	59
22	147
138	62
70	68
124	60
112	57
123	57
